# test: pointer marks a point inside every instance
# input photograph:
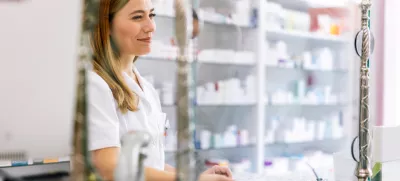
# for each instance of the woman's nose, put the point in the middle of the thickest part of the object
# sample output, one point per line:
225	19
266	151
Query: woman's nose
149	26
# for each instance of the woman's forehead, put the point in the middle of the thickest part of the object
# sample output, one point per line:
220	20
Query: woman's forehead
134	5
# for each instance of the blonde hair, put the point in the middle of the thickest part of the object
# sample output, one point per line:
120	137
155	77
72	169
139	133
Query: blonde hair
106	56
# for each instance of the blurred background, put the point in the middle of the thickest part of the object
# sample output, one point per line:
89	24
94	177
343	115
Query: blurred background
274	86
276	81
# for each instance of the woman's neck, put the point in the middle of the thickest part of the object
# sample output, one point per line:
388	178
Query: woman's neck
127	64
127	67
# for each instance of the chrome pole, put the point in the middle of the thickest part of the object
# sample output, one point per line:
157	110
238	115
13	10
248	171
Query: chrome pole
186	166
363	170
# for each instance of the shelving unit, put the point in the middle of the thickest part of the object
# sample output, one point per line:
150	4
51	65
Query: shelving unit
281	147
299	35
337	77
220	22
255	116
204	62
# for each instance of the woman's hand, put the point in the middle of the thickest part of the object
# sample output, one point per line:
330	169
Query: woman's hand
213	177
169	168
219	170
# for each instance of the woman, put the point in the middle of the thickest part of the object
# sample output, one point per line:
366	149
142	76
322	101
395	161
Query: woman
120	100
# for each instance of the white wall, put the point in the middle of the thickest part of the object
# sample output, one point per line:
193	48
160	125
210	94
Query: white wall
38	54
392	58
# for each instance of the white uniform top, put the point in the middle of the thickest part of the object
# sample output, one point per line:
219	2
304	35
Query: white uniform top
107	124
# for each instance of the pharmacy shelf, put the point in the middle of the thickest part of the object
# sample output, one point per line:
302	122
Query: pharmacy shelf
222	34
307	69
220	22
227	104
306	105
280	34
273	150
279	149
221	148
216	105
227	62
308	112
304	5
164	70
326	145
209	62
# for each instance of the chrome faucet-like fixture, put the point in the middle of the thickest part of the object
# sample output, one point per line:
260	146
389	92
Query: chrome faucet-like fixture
363	171
131	162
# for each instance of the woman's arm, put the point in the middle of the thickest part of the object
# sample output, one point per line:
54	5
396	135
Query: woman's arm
105	160
169	168
104	141
152	174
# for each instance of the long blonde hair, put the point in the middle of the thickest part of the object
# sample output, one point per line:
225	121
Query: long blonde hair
106	56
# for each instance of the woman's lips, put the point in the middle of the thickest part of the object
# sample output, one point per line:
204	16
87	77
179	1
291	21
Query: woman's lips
146	40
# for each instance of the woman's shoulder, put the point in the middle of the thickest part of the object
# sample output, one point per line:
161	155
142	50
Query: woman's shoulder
96	81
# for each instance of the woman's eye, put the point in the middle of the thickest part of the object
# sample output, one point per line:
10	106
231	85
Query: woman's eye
152	15
136	17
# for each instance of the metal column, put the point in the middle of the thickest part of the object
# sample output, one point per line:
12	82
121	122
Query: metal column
363	171
186	166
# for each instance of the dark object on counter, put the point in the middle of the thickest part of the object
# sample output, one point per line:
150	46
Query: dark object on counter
7	177
56	176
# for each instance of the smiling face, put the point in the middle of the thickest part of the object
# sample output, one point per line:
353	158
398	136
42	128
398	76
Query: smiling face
133	26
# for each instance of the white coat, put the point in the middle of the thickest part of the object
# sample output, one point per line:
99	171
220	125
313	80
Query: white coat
107	124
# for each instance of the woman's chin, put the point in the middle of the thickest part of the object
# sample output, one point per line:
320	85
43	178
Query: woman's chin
143	51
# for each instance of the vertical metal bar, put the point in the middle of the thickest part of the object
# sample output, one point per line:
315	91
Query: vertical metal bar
81	169
261	78
369	27
186	170
364	171
194	67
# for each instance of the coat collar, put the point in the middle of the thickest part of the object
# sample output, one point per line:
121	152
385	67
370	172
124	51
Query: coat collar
136	88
